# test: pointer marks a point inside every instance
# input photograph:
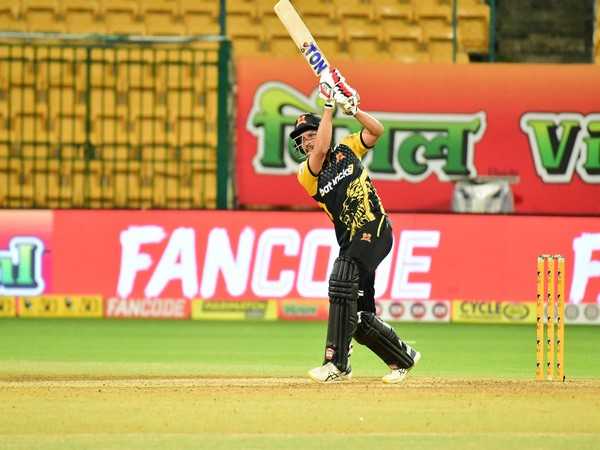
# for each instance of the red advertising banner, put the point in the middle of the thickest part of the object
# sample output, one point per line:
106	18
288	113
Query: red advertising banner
220	255
25	252
539	124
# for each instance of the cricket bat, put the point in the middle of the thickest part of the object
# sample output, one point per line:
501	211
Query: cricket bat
301	36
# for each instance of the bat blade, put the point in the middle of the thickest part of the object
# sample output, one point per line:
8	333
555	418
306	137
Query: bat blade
301	36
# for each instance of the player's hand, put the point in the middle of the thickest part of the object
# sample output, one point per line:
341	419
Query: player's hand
327	94
350	104
328	81
347	97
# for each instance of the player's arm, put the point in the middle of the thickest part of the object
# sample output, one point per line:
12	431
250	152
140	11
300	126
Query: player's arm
373	128
323	139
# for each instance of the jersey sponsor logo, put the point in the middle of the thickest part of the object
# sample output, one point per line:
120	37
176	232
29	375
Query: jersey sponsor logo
366	237
339	156
339	177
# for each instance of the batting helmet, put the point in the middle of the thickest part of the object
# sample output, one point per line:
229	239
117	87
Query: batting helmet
304	122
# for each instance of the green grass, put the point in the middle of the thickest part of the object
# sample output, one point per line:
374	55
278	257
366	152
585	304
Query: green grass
169	348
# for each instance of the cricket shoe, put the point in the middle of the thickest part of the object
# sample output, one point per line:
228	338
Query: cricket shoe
397	375
329	373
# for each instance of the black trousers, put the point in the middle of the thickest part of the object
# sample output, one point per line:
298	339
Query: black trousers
369	246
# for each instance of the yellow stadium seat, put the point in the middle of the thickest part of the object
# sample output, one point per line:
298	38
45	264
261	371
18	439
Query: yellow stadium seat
204	187
162	17
440	48
83	16
439	38
29	126
346	9
364	43
248	41
10	12
204	6
247	22
67	128
441	9
3	129
201	23
318	8
42	15
123	17
109	128
391	11
473	34
149	129
111	152
406	43
473	25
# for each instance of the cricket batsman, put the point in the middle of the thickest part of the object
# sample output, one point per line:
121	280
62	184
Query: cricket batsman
334	176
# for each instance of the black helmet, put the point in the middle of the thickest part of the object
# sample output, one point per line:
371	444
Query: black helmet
304	122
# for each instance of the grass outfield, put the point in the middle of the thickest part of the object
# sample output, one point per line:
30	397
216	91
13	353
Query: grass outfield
73	384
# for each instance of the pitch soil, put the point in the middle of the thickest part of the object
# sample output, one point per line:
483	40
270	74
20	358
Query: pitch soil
230	404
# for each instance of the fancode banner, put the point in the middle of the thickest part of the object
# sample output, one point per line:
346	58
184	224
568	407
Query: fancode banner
540	123
147	308
221	255
60	306
414	310
234	310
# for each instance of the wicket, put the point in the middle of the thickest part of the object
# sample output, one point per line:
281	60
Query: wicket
551	298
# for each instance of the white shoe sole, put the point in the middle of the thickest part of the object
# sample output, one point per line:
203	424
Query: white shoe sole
389	380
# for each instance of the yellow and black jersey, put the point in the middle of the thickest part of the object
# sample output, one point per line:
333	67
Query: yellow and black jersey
343	188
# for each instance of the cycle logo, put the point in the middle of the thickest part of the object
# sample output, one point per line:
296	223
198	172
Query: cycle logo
21	267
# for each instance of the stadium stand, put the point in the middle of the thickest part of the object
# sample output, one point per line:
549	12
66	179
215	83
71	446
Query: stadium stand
120	127
345	28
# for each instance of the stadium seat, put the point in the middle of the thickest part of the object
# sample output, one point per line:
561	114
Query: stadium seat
364	43
149	129
204	186
391	11
108	127
123	17
473	25
204	7
201	23
42	15
83	16
162	18
29	126
355	14
406	43
436	9
439	43
248	41
10	13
